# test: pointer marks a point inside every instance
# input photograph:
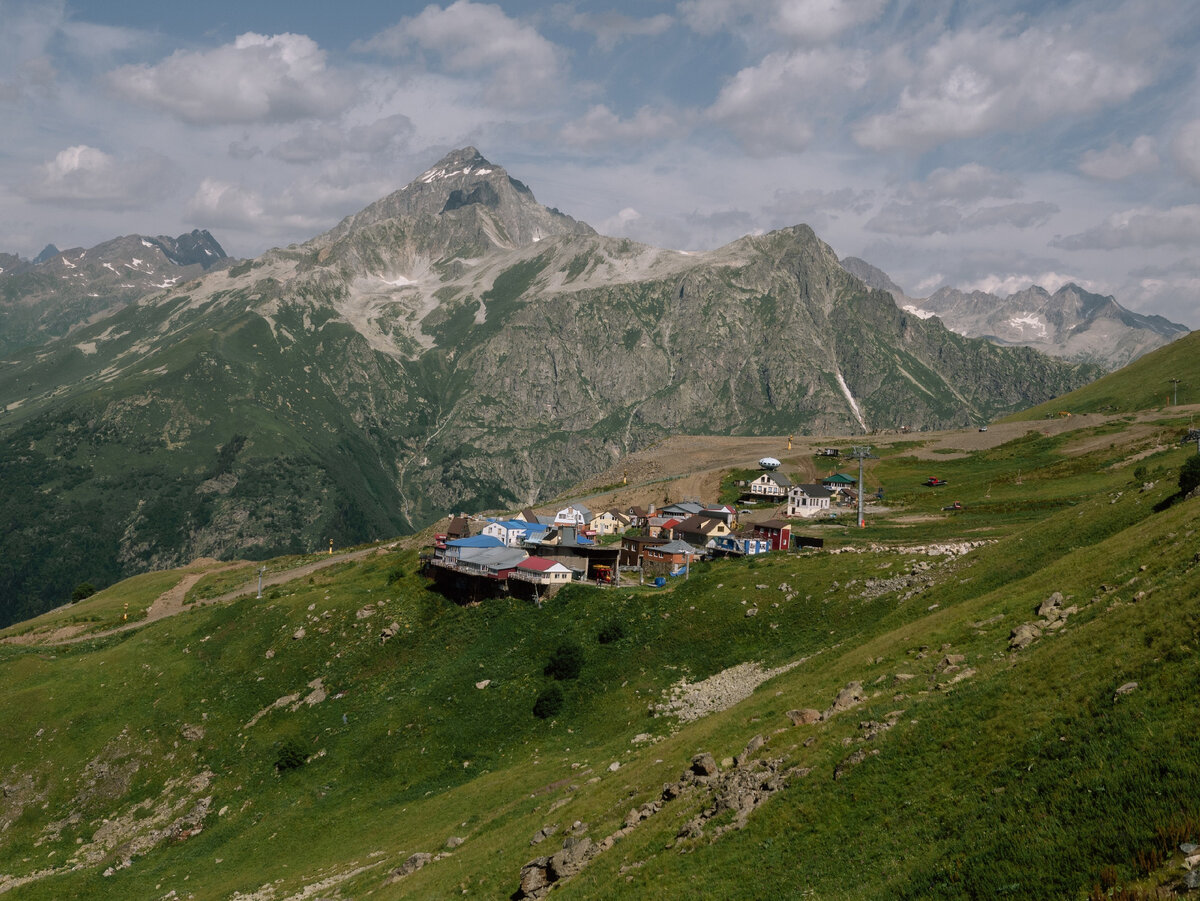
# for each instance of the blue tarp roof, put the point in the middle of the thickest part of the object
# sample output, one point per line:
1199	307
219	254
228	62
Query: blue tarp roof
476	541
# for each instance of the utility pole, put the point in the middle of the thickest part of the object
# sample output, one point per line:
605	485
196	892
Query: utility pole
1175	382
861	453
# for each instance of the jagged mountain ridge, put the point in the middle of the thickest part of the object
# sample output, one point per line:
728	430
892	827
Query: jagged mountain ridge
59	291
453	346
1070	323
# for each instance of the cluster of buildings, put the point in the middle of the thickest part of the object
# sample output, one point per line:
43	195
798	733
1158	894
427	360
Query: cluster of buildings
533	555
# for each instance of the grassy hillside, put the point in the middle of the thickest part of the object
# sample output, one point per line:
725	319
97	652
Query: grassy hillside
157	760
1144	384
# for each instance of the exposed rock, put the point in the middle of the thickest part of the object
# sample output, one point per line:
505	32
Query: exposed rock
753	745
852	761
805	717
364	612
454	841
483	683
951	660
1127	688
388	632
542	834
191	732
690	701
850	696
1023	636
1048	609
410	866
298	634
704	765
753	611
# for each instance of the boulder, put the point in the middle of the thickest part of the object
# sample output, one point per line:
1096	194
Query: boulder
1049	607
753	745
753	611
1127	688
454	841
704	765
535	880
848	697
804	717
1023	636
571	859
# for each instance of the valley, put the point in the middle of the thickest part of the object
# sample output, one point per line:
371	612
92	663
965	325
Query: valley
958	704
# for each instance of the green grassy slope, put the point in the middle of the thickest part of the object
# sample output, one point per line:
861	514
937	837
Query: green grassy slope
150	756
1144	384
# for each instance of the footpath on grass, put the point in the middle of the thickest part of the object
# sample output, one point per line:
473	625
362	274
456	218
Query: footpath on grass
171	601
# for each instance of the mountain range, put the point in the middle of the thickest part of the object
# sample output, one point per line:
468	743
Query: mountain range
455	345
1070	323
61	290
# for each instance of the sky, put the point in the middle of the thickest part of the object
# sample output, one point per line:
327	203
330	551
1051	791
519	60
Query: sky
981	145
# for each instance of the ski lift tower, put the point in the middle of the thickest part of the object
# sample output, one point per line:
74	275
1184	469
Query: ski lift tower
861	453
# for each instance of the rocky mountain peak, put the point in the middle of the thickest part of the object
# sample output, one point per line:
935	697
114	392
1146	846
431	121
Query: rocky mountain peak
466	197
49	252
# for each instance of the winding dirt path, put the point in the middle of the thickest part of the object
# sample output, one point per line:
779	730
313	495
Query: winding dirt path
171	601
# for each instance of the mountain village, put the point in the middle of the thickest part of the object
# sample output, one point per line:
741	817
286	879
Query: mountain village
532	555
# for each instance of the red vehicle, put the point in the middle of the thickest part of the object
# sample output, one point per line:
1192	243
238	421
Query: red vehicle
934	481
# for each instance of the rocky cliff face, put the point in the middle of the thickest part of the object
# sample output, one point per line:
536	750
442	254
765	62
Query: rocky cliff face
1071	323
453	346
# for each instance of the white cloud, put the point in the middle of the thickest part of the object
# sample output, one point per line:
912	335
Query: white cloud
970	83
600	126
1142	227
821	20
803	21
769	107
611	27
1013	215
1118	161
326	142
922	219
1186	149
965	184
915	219
85	176
1004	285
281	78
522	67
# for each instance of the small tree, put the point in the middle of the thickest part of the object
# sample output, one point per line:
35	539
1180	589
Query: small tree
82	590
566	661
549	702
290	757
1189	475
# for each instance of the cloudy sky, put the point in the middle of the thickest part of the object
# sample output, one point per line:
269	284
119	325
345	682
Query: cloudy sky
987	145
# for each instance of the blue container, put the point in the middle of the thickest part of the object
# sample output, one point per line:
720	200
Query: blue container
660	582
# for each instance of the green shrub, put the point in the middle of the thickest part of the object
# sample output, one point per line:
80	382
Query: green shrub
395	574
83	590
290	757
1189	475
548	703
566	661
614	630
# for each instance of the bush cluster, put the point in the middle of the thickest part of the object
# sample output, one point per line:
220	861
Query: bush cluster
290	757
566	662
549	702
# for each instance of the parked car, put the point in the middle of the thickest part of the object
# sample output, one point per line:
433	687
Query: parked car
934	481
